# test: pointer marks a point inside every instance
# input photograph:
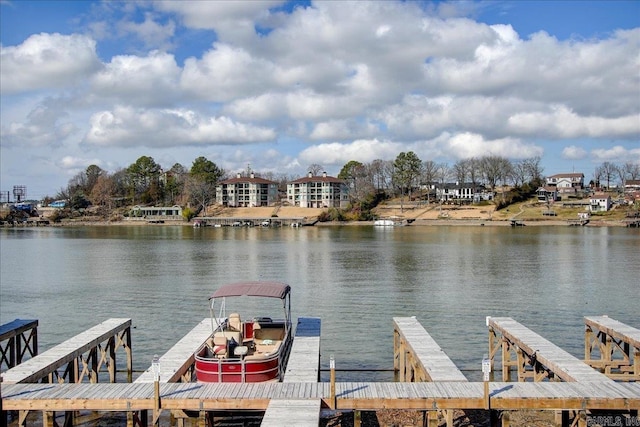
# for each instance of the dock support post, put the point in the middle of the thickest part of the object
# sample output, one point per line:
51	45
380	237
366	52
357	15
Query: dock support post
332	367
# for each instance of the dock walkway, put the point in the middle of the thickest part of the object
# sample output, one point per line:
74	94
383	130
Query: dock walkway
17	339
349	396
536	357
100	343
417	357
177	363
303	367
613	347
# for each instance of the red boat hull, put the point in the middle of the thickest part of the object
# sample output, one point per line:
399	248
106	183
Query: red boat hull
237	371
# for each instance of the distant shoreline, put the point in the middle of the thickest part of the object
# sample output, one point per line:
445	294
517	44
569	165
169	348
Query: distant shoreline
415	223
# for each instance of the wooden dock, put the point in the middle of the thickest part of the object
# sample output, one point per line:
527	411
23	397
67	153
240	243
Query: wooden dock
303	367
84	355
177	363
425	396
417	357
536	358
18	339
612	347
299	398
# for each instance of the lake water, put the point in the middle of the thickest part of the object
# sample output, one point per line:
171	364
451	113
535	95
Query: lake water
355	278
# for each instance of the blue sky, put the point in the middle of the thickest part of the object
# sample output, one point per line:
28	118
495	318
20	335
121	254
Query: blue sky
283	85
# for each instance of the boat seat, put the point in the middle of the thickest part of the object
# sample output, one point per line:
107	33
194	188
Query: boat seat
234	322
227	335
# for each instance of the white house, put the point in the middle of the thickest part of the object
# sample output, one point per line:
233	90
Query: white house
457	191
318	192
600	202
566	182
246	192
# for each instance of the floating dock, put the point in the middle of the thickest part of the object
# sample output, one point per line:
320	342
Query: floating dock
430	381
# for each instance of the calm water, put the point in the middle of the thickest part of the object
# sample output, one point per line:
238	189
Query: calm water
356	278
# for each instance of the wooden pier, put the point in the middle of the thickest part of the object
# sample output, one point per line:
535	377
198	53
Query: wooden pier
418	358
612	347
216	221
18	339
303	367
84	355
176	365
536	358
299	398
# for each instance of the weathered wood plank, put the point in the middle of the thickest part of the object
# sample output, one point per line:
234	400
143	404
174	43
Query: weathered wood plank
304	359
351	395
49	361
179	358
561	363
302	413
429	357
615	329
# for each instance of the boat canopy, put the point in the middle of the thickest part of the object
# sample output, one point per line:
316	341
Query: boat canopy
253	289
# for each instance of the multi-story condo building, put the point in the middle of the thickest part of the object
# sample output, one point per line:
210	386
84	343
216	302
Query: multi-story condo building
318	192
245	192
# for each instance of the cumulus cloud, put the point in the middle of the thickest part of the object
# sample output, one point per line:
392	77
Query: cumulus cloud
467	145
340	153
617	153
153	34
574	152
126	127
45	126
149	80
45	61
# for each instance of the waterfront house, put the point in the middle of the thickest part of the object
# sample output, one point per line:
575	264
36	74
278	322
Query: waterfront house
157	212
318	192
566	183
632	185
547	194
465	191
600	202
246	192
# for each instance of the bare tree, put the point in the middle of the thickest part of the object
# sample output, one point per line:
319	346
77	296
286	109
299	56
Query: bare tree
102	192
607	171
316	169
461	170
380	176
535	170
429	175
201	193
631	171
520	173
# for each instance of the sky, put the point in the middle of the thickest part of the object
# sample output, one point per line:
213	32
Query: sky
279	86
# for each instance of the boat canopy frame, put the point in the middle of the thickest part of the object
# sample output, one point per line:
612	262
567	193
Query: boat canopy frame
263	289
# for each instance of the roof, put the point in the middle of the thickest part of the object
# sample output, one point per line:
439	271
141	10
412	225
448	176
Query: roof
253	289
317	179
567	175
244	179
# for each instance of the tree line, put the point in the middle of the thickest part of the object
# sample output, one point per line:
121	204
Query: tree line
146	182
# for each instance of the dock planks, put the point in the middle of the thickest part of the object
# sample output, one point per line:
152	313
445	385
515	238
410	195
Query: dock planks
176	363
304	359
543	357
17	339
349	395
616	344
303	367
69	351
417	356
